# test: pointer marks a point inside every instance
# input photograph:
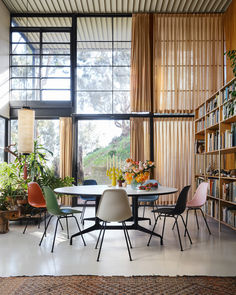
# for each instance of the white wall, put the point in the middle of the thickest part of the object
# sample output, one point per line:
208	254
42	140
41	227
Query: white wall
4	60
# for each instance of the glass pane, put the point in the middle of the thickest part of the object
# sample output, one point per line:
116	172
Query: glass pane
121	53
56	48
13	137
97	139
56	37
121	102
56	95
121	78
47	72
41	21
94	102
47	133
25	94
25	72
25	83
18	60
25	37
122	28
94	29
55	84
94	53
96	78
24	49
56	60
2	139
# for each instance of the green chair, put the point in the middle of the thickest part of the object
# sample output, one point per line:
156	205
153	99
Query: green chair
54	209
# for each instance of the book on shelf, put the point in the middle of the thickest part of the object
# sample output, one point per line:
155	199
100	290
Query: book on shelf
213	118
229	215
227	93
229	191
201	111
228	137
213	187
200	125
211	208
229	109
213	141
213	103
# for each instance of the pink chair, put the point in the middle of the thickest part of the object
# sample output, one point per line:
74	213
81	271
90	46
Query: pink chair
199	199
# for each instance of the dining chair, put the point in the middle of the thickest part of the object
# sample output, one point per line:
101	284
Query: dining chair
174	212
114	207
37	202
149	199
198	200
87	199
54	209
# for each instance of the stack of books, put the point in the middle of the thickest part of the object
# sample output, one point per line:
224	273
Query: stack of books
229	191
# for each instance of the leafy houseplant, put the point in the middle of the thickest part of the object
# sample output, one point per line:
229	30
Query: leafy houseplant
231	54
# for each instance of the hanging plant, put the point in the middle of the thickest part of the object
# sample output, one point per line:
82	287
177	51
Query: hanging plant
231	54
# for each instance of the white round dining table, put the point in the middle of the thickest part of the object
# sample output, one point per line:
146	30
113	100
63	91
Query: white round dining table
97	191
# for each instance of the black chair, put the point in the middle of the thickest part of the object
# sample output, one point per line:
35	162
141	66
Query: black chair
87	199
174	212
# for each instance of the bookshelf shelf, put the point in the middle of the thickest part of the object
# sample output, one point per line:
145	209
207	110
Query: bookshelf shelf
215	145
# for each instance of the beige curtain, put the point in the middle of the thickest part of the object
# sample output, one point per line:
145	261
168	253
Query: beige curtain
141	68
65	152
188	60
173	146
139	139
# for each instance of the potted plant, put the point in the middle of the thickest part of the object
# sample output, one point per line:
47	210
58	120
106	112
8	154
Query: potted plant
120	179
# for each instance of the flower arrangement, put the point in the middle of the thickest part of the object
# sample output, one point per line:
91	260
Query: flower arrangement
137	170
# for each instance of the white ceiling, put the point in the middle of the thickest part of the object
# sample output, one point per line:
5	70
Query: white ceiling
116	6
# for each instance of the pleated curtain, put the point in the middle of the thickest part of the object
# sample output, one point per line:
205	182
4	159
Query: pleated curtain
173	146
188	60
139	139
65	126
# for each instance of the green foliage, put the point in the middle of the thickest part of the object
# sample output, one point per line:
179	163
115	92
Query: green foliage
231	54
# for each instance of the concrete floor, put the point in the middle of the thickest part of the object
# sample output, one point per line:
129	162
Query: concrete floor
212	255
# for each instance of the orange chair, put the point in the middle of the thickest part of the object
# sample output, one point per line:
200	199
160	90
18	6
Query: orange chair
37	201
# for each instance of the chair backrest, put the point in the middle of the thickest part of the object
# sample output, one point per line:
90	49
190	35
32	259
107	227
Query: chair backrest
151	181
51	201
114	206
182	200
35	195
89	182
200	195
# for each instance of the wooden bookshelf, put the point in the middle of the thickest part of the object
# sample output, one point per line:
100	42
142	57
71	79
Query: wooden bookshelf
215	130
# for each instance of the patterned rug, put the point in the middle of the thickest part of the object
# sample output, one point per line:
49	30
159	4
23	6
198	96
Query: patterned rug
139	285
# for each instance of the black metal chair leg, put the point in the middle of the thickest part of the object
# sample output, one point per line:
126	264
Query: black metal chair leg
67	227
44	234
195	212
100	248
27	222
126	239
186	229
128	235
205	221
79	229
186	222
61	225
179	235
173	225
96	246
163	228
45	222
55	233
153	231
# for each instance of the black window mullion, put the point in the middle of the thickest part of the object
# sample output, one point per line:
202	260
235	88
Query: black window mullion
40	65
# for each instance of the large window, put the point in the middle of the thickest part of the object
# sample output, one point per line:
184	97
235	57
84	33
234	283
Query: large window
103	65
40	66
2	139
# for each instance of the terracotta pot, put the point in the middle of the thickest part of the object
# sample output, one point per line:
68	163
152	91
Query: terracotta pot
120	182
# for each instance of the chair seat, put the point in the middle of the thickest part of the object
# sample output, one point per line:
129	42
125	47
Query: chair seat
38	205
88	198
67	211
165	210
147	198
192	206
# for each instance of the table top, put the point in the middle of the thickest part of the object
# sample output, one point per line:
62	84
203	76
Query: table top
97	190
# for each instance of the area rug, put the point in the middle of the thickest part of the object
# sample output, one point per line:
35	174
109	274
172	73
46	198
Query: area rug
91	285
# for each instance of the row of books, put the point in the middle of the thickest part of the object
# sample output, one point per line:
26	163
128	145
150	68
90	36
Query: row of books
200	125
211	208
227	139
213	141
213	103
229	191
213	187
213	118
201	111
229	109
227	93
229	215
